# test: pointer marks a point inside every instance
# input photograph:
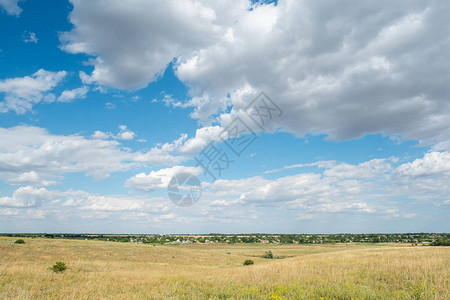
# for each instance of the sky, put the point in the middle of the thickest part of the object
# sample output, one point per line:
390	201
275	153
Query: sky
293	116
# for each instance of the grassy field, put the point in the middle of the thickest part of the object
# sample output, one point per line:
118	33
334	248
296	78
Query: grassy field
136	271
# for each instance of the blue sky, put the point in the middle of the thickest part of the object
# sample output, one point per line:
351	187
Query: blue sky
101	106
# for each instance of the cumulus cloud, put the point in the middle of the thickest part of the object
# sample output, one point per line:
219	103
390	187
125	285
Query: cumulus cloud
29	203
158	179
202	138
100	135
11	7
424	178
70	95
41	201
27	196
334	73
181	149
125	134
433	163
164	154
32	155
368	169
121	203
303	196
370	187
345	70
133	43
312	192
21	93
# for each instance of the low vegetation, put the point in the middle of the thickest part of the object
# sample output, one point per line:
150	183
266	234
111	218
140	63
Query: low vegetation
268	255
441	242
20	241
248	262
205	271
59	267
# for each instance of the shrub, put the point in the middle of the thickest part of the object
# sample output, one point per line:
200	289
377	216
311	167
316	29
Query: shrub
248	262
20	241
59	267
268	255
441	242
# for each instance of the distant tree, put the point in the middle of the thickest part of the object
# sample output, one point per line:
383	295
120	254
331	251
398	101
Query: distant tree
248	262
20	241
440	242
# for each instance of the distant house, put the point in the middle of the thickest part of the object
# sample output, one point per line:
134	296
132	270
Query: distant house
264	241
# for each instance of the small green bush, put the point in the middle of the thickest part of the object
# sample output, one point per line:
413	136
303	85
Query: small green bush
248	262
268	255
20	241
59	267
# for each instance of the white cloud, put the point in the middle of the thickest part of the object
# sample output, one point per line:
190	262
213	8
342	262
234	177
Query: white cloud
203	136
100	135
368	169
424	178
305	197
11	7
44	201
306	191
433	163
342	70
32	155
332	73
27	197
30	37
174	152
125	134
163	154
70	95
158	179
133	43
371	187
21	93
122	203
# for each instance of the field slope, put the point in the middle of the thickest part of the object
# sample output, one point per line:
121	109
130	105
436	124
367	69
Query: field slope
135	271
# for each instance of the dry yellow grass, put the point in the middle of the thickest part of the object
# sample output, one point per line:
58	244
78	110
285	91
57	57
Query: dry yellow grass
134	271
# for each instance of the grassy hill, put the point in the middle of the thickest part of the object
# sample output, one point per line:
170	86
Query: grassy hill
98	269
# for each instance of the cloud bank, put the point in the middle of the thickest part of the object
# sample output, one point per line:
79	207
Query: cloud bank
342	69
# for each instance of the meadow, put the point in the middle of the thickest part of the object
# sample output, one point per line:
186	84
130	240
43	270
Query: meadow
106	270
